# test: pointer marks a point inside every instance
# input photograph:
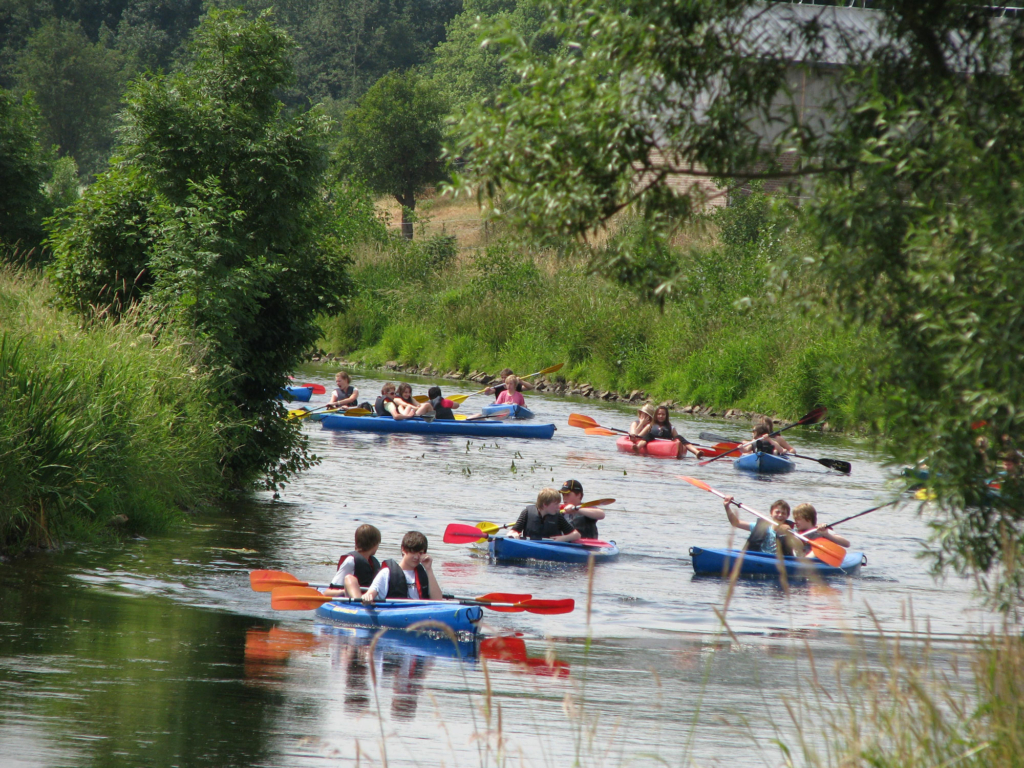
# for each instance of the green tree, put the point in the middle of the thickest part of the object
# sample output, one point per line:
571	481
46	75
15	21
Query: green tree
23	171
229	229
392	140
77	85
912	169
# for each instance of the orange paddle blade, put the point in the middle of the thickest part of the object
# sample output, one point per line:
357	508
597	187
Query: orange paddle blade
828	551
695	482
601	431
598	503
581	421
297	599
318	389
265	581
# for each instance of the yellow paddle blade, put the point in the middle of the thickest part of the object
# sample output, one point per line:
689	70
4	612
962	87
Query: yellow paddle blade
421	398
488	528
598	503
356	412
461	417
297	413
459	398
552	369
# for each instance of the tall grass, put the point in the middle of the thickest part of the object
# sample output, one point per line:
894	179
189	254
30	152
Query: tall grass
98	427
722	338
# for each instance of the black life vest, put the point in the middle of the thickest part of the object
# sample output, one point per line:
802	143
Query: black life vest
764	446
398	585
587	526
341	394
760	533
442	411
540	527
662	431
378	406
365	569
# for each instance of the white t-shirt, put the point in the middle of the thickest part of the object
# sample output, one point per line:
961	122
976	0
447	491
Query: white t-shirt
348	567
381	580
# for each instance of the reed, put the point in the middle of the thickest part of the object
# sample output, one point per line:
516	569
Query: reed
102	428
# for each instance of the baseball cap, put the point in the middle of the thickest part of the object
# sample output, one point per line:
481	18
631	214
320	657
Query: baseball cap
571	486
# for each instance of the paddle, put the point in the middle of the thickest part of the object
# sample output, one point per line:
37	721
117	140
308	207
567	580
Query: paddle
456	533
839	466
304	412
811	418
295	598
318	389
827	551
494	527
716	438
865	512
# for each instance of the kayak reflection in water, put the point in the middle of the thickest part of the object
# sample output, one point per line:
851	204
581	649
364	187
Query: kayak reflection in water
544	520
411	578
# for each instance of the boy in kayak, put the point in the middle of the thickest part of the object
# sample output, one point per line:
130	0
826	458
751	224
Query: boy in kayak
411	578
357	569
497	389
387	394
344	394
765	536
778	438
511	393
761	443
442	405
805	516
544	520
583	519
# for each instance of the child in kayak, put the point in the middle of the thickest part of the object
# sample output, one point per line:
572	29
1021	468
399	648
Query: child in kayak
662	429
442	406
511	393
387	394
779	439
761	443
765	536
344	394
805	516
411	578
640	429
583	519
358	568
497	389
403	406
544	520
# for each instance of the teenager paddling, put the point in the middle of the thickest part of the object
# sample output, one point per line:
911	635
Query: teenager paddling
544	520
358	568
583	519
764	536
411	578
344	394
497	389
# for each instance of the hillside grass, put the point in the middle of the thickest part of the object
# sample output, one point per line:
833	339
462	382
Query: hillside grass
102	429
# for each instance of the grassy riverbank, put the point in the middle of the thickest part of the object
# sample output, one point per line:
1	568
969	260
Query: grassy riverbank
101	429
505	304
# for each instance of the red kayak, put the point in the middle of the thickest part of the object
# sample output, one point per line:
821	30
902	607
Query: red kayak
662	449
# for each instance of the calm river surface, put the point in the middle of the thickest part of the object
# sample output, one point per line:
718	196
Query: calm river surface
157	653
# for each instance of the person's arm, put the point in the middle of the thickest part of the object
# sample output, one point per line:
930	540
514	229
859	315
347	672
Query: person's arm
568	532
524	384
781	441
453	404
779	447
351	399
378	588
517	529
594	513
824	532
733	519
435	589
339	582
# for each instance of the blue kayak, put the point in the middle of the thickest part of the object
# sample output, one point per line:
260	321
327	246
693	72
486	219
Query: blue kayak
719	562
433	643
400	614
505	548
766	463
437	427
514	411
302	394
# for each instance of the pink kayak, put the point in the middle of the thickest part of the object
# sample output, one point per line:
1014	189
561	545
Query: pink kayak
663	449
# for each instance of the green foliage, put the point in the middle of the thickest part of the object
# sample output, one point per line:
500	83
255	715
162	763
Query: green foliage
23	170
77	85
392	140
238	243
97	423
62	188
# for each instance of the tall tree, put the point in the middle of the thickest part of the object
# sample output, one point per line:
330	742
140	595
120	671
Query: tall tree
912	168
23	171
392	140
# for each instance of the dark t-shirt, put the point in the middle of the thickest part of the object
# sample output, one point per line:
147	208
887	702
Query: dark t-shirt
587	526
551	525
499	388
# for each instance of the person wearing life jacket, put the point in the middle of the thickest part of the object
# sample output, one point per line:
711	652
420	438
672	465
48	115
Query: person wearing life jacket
544	520
497	389
442	405
404	406
761	442
387	395
583	519
357	569
662	429
411	578
764	536
344	394
805	517
779	439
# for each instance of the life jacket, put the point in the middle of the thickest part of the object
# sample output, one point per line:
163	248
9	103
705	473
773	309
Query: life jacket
378	406
540	527
442	411
764	446
759	535
341	394
399	585
365	569
662	431
587	526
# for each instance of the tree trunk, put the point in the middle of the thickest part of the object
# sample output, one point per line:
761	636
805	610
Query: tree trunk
408	203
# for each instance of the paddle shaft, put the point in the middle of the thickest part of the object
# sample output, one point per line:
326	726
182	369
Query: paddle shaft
839	466
811	418
764	517
865	512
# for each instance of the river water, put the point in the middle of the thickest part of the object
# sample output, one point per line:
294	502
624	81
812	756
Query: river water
157	653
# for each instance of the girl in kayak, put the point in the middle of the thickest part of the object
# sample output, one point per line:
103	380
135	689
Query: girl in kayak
779	439
511	393
405	407
544	520
411	578
662	429
761	443
765	536
583	519
358	568
497	389
640	429
805	516
344	395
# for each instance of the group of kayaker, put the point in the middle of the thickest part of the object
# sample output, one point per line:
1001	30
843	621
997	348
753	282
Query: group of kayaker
558	515
653	423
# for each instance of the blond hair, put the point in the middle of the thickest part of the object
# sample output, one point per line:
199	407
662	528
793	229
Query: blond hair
806	512
546	496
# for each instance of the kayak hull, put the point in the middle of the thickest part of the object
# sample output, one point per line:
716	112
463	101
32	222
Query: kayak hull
505	548
517	411
764	463
438	427
407	643
301	394
401	614
720	562
663	449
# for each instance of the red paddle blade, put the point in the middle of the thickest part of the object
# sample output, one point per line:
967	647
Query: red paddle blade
581	421
601	431
297	599
555	668
456	533
503	597
548	606
318	389
593	543
503	649
814	416
828	552
257	580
